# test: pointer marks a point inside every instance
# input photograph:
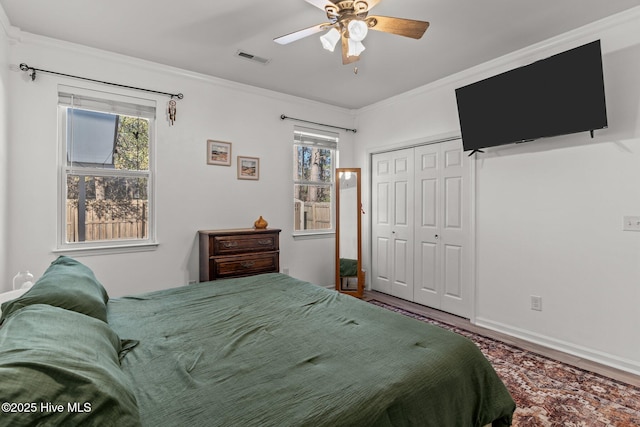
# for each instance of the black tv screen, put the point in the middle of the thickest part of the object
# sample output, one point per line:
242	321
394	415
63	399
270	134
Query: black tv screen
558	95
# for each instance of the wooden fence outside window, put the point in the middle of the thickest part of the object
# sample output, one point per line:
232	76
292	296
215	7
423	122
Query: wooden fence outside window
312	215
132	226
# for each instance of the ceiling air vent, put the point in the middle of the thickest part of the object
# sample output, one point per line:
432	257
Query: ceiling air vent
245	55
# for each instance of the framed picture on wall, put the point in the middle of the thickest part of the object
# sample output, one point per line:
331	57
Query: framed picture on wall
218	153
248	168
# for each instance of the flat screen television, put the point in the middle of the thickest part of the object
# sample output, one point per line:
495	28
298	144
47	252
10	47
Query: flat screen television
558	95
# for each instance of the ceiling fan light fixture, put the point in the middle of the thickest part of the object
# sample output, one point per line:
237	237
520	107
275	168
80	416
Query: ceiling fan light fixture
330	39
357	30
355	48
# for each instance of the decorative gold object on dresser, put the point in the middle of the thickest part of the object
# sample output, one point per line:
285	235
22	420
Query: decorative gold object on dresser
238	252
260	223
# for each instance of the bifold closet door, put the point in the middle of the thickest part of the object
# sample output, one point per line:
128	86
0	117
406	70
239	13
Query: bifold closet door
393	223
443	264
421	226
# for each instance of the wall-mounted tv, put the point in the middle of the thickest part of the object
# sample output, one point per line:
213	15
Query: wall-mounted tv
558	95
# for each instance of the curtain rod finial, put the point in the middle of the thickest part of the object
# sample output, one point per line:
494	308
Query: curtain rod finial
25	67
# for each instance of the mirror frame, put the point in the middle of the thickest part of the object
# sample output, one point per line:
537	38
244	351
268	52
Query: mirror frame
359	292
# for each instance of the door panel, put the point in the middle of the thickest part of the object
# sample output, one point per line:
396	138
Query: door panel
382	264
453	205
428	205
456	235
402	230
401	204
427	268
392	223
452	271
381	269
400	261
383	203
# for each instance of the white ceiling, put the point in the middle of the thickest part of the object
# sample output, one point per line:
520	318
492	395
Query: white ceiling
204	37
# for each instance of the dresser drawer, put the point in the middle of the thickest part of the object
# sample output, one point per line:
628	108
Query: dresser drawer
227	245
244	265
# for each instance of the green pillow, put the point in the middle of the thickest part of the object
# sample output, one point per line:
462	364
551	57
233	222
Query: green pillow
68	284
51	357
348	267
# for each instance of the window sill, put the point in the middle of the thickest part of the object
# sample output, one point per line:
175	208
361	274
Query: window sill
106	249
314	235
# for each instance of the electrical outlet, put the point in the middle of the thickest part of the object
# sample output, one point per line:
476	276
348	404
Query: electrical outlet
631	223
285	271
536	303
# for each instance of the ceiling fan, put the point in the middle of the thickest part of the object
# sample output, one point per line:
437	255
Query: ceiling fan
349	22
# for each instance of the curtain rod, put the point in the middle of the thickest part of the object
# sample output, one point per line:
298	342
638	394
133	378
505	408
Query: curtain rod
25	67
283	117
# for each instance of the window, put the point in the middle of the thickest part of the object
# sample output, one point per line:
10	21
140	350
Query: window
105	189
314	156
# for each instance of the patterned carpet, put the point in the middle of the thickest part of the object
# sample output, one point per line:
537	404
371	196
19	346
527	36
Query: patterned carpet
550	393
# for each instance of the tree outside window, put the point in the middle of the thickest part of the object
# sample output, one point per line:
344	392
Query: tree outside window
314	168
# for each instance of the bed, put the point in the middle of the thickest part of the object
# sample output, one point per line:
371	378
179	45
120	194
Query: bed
265	350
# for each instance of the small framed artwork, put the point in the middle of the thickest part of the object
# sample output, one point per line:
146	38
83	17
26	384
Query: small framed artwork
218	153
248	168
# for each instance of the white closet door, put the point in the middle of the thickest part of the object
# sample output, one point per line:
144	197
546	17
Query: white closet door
393	223
443	263
421	226
428	195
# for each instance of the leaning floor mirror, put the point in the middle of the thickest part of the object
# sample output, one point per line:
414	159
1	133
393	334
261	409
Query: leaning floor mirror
349	274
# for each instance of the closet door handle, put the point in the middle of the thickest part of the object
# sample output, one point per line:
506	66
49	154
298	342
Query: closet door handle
437	237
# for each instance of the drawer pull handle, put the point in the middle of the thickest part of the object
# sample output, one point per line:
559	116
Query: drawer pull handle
230	244
247	264
264	242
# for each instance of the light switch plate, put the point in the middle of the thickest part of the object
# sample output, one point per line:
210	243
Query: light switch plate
631	223
536	303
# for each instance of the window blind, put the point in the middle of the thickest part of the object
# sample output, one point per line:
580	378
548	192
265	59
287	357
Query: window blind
315	138
114	104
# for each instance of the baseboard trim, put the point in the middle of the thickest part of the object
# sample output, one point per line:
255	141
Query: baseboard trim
575	350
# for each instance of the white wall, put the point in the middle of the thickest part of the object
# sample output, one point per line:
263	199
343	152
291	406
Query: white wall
191	195
548	213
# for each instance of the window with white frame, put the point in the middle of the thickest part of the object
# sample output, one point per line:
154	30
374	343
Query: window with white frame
106	179
314	159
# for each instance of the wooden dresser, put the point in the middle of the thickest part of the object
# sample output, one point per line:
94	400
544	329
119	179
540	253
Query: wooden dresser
238	252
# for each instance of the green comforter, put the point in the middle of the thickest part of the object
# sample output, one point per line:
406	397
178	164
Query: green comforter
270	350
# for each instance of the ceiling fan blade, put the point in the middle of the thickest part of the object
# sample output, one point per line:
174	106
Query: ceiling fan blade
297	35
345	49
399	26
